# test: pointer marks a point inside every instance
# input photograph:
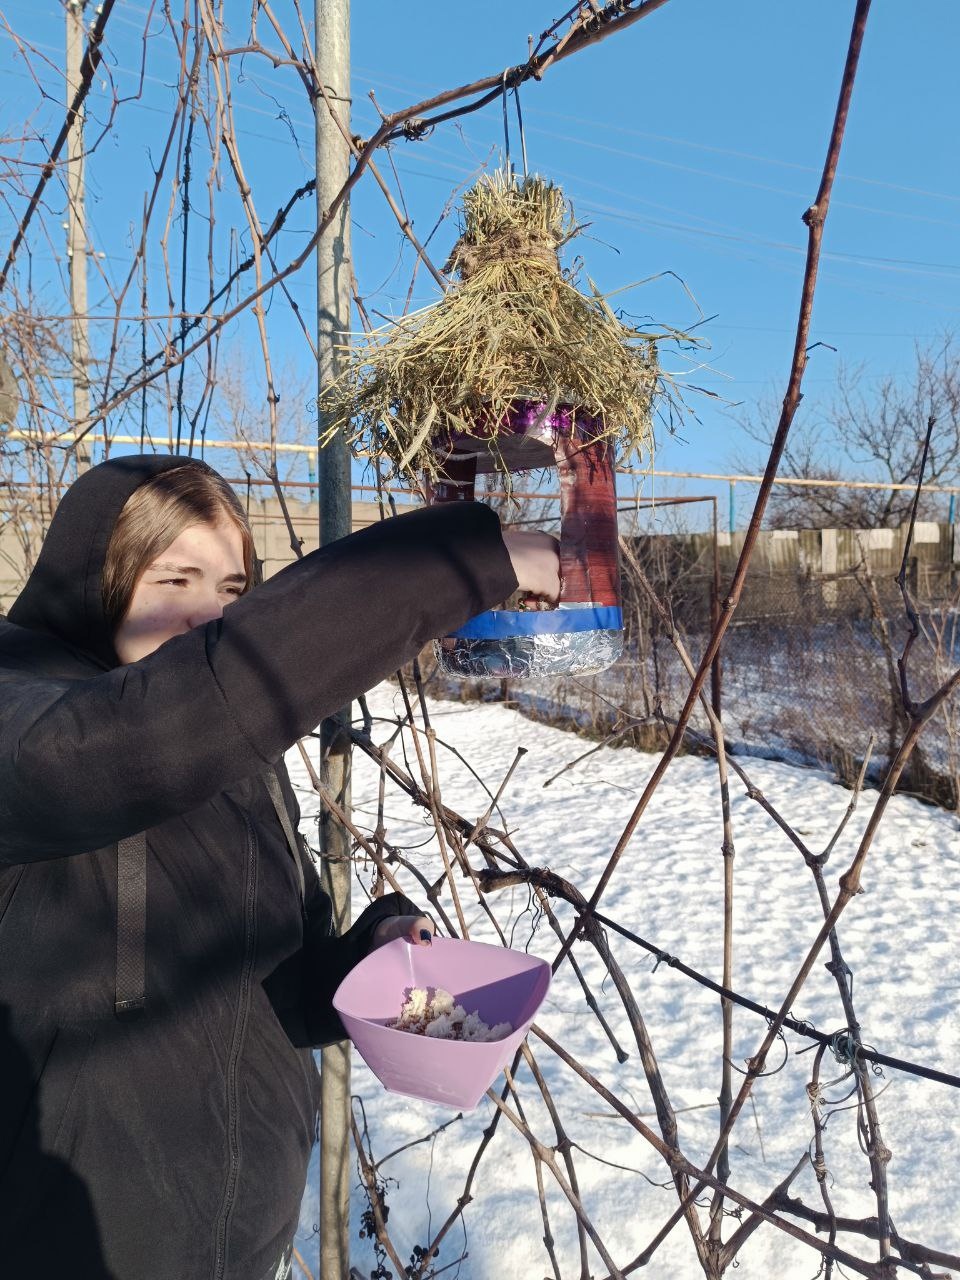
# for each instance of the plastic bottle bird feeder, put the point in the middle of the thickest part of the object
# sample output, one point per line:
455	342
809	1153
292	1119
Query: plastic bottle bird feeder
584	634
514	369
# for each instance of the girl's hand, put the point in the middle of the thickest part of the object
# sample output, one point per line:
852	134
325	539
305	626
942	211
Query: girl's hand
418	931
535	557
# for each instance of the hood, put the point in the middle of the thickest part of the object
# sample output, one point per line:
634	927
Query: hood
62	598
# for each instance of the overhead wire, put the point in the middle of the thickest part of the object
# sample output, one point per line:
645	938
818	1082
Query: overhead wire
731	236
278	91
719	238
376	78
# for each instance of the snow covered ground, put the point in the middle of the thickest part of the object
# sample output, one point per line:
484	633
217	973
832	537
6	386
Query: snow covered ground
899	937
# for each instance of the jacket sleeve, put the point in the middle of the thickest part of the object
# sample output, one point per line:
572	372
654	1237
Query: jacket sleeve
328	960
302	987
85	763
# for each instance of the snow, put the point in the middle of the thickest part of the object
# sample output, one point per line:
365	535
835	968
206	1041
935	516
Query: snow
898	936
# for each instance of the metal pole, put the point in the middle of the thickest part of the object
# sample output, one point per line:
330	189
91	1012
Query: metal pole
733	509
332	61
77	235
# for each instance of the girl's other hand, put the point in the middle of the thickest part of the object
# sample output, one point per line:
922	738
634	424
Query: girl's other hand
418	931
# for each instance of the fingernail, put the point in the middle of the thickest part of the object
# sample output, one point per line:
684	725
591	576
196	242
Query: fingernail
426	936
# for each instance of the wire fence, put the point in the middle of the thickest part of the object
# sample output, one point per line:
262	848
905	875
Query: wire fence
808	671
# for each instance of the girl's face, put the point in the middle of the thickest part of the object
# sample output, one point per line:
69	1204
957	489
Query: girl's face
191	583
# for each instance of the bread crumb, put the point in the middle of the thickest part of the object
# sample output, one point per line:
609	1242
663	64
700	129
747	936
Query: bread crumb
433	1012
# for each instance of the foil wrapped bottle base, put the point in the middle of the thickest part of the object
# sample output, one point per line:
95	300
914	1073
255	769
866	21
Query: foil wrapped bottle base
529	656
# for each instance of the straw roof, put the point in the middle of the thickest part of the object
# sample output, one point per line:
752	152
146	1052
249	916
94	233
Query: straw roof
513	326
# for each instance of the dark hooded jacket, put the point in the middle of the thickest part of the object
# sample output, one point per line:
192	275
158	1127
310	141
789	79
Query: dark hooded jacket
173	1144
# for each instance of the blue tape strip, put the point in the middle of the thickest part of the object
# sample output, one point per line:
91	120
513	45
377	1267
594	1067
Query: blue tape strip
497	624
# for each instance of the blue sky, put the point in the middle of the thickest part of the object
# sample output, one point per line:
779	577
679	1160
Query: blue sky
691	144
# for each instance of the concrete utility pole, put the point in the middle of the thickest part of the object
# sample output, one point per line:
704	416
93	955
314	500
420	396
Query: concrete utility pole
77	234
332	59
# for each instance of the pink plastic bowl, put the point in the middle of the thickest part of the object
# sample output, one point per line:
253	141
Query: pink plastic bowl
501	985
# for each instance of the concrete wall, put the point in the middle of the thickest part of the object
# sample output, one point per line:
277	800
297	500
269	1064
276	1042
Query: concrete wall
781	556
272	536
266	519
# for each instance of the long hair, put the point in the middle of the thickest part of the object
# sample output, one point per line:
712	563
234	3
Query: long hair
158	512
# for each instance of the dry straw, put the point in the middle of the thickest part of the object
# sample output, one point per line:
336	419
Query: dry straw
512	327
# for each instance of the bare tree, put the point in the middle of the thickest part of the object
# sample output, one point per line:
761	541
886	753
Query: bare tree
33	466
870	432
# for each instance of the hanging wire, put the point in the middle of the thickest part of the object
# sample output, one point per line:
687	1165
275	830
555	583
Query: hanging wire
505	95
523	136
506	126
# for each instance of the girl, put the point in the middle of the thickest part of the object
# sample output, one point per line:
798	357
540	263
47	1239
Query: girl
166	958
